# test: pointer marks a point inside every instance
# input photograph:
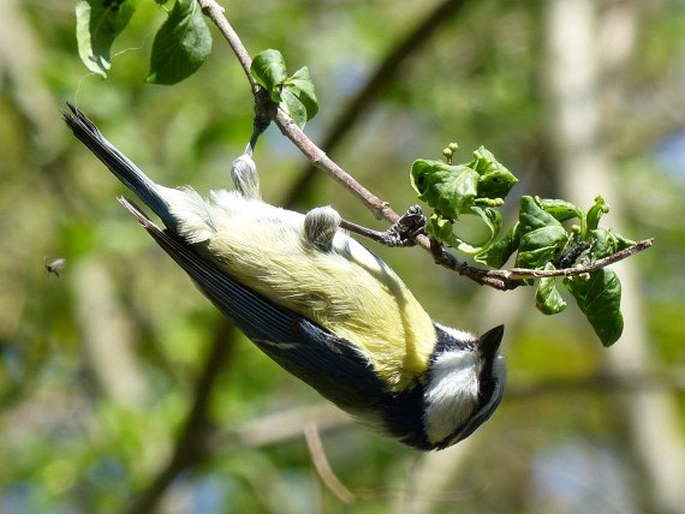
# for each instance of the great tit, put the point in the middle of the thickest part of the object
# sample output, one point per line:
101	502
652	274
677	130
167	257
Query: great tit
320	304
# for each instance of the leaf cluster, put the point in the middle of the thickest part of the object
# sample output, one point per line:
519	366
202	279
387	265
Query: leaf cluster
181	45
541	239
295	95
476	187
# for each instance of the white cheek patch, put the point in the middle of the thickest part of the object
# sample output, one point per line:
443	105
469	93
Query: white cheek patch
452	393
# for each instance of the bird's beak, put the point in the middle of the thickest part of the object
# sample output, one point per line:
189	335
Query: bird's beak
489	342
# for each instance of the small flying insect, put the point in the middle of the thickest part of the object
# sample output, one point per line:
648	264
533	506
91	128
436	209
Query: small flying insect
55	266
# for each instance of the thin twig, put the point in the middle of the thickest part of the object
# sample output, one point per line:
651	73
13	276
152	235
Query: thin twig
379	208
521	273
323	468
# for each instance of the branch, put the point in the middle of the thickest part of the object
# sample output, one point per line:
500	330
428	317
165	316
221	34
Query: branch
380	209
511	279
522	273
498	279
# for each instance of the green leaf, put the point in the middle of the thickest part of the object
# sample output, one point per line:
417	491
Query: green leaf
303	87
541	236
605	242
98	23
535	257
268	69
295	95
492	219
292	105
477	188
181	45
621	242
495	180
497	254
450	190
455	189
560	209
532	216
548	300
440	228
599	298
595	213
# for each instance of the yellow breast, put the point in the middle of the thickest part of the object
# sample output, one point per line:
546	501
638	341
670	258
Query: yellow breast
347	290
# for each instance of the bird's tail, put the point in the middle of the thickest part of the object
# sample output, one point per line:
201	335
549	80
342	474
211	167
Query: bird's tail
122	167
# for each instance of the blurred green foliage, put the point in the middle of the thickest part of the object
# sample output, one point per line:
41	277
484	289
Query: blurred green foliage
98	366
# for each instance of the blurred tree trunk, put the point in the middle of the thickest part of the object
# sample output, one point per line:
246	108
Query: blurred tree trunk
21	65
587	49
107	335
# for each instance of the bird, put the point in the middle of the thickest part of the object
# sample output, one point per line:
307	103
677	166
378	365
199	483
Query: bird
318	302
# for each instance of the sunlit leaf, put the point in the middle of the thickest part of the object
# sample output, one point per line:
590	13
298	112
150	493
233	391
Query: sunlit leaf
541	236
595	213
599	297
450	190
560	209
497	254
548	300
181	46
268	69
495	180
292	105
302	86
294	95
98	23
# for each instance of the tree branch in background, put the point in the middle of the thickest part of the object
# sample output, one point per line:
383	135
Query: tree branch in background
384	74
277	427
191	446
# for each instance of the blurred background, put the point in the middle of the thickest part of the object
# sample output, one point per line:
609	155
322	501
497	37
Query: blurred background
123	390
